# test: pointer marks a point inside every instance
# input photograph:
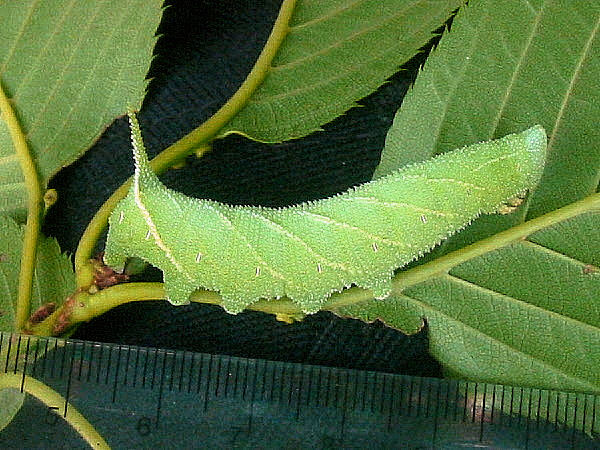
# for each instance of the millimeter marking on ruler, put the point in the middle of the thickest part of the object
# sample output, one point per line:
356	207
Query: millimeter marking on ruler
236	391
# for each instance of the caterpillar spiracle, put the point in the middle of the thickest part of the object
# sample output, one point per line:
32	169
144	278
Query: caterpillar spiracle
310	250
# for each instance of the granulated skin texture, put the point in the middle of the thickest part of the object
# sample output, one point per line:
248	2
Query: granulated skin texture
308	251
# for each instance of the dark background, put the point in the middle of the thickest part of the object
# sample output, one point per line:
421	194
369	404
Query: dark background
204	52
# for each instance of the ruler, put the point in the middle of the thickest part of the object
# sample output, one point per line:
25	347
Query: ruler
138	397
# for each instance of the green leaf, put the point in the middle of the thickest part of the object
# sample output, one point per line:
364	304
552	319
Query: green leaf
53	280
13	195
70	68
519	308
11	400
336	52
522	306
506	64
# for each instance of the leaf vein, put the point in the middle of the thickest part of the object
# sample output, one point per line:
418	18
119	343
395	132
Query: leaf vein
334	12
5	160
20	35
84	86
339	75
574	77
8	186
9	295
518	67
513	349
539	247
349	38
42	107
456	79
575	323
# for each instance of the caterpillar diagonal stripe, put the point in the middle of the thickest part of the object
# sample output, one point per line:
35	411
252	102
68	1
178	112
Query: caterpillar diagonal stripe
308	251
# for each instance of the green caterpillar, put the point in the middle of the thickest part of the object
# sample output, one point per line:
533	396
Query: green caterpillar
308	251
